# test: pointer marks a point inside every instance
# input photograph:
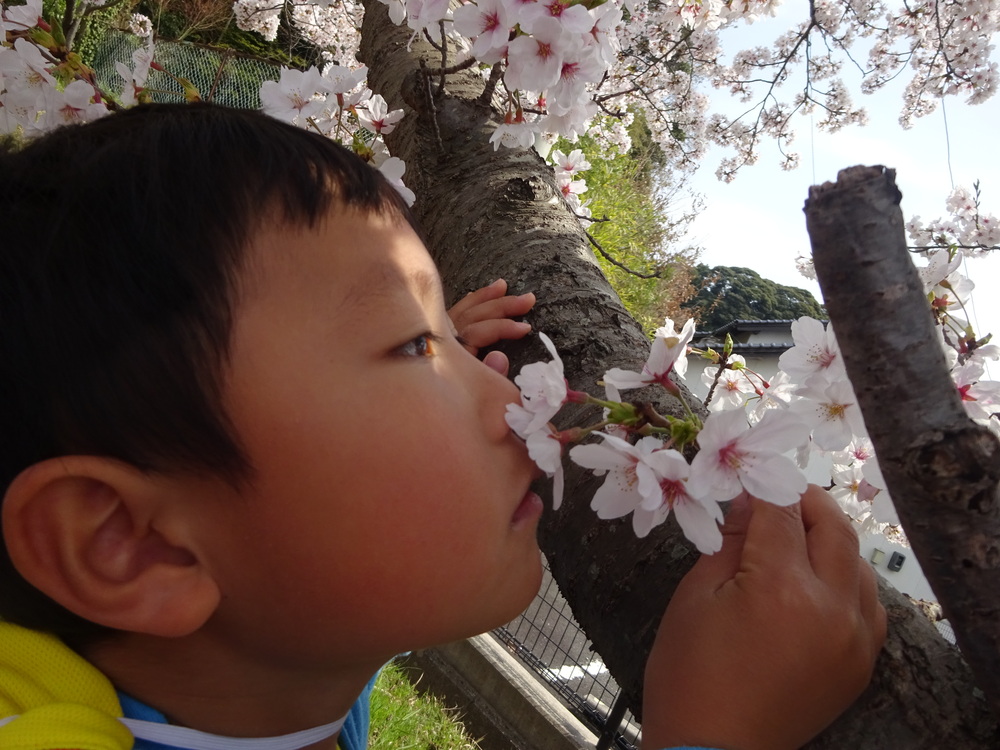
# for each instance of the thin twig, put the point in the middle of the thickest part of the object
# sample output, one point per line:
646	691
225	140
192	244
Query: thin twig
444	58
459	66
715	381
491	85
218	75
428	90
431	41
619	264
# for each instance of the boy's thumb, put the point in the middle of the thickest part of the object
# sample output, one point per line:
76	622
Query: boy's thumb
724	564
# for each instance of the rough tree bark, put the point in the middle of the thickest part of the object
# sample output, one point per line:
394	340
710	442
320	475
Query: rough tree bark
490	214
942	469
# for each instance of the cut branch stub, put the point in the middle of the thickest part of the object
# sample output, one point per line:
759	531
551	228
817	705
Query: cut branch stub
941	468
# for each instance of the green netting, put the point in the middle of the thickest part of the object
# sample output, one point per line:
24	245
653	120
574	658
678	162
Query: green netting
220	76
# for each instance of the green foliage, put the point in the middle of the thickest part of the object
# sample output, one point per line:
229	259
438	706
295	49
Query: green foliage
639	232
403	718
92	27
297	54
728	293
210	22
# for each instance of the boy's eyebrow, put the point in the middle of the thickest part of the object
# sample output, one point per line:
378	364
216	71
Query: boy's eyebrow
372	291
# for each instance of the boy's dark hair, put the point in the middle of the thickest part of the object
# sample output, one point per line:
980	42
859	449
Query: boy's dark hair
123	243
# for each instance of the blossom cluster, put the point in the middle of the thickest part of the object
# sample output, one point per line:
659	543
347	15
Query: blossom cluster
967	229
652	477
561	63
43	85
337	103
567	169
38	91
759	434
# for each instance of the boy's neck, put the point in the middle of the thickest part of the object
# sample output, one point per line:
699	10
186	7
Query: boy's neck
197	683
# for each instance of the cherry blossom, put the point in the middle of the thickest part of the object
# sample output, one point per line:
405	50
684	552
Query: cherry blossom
776	394
572	18
569	165
732	386
19	17
513	133
140	25
852	491
377	117
135	79
858	451
545	449
815	351
426	14
488	24
580	67
831	411
393	169
981	398
734	456
606	18
543	391
341	79
72	105
534	62
698	518
667	354
260	16
940	264
571	190
649	481
293	97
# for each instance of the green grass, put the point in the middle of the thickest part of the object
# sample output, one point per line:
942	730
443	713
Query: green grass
404	719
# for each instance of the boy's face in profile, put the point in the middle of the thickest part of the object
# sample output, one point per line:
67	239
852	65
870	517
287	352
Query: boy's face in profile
389	508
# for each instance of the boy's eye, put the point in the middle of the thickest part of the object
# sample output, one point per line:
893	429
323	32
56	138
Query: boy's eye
424	345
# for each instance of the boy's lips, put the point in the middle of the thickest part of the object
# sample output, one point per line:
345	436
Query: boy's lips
529	509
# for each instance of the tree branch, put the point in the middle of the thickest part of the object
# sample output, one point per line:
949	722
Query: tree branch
942	469
617	263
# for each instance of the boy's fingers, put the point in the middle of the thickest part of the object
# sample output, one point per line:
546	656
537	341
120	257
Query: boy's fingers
776	538
832	543
490	302
502	307
486	332
492	291
497	361
725	563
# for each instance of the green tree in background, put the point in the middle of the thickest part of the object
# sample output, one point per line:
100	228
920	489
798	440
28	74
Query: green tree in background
727	293
638	231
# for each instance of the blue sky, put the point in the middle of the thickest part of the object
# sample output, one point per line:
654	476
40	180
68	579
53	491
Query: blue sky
757	220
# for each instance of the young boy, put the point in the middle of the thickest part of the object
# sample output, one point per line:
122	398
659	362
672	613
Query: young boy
246	461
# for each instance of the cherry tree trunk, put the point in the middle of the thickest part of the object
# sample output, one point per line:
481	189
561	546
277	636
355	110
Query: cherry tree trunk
497	214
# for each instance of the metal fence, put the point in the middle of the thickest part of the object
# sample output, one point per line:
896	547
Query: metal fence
549	641
221	76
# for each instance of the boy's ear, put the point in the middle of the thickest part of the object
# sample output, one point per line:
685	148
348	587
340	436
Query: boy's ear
104	540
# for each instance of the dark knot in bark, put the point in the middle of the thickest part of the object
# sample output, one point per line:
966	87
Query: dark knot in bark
527	189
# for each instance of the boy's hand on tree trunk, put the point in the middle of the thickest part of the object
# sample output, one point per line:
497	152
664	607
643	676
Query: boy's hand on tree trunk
485	316
766	642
